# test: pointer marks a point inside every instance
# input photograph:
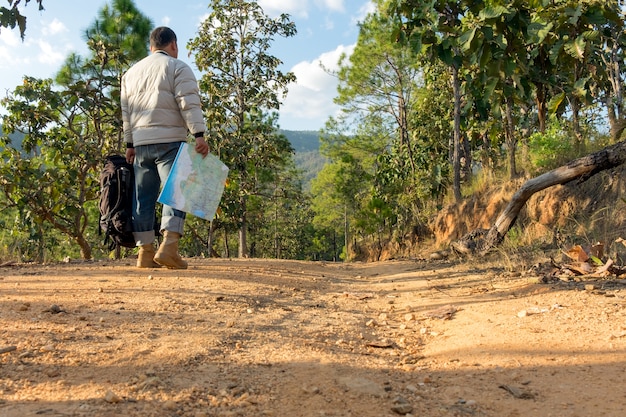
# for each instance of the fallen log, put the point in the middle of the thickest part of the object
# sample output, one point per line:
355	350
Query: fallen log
481	241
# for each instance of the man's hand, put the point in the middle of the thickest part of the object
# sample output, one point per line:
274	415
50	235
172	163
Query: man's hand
201	147
130	155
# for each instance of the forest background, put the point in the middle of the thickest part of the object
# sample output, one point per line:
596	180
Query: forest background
439	100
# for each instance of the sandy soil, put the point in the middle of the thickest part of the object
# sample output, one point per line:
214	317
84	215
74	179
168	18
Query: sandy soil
288	338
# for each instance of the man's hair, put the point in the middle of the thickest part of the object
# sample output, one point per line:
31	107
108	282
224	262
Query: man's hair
161	37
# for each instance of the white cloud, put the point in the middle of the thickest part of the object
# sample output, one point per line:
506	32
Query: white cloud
11	47
300	8
49	55
53	28
202	18
332	5
166	20
328	24
293	7
364	10
10	37
309	102
330	59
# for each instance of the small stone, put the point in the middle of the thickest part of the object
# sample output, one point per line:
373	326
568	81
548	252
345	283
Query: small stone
401	406
112	398
362	386
411	388
311	390
170	405
438	255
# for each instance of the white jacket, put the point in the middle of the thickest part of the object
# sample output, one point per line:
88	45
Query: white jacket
160	101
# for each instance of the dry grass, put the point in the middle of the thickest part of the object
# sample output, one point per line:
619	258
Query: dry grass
574	213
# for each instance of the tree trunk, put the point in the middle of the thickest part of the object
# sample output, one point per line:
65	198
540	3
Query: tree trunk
243	231
511	141
542	107
226	245
578	136
243	238
616	124
210	238
456	158
481	241
467	158
85	248
346	230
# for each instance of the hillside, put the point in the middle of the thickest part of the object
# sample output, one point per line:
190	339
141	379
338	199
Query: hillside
16	138
307	157
553	221
303	140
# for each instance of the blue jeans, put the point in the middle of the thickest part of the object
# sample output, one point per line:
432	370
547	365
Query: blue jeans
152	166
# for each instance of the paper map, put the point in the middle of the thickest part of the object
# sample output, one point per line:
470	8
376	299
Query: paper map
195	184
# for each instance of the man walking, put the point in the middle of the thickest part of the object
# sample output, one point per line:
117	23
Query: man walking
160	105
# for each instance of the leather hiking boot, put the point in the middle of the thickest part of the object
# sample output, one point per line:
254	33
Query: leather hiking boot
145	259
167	255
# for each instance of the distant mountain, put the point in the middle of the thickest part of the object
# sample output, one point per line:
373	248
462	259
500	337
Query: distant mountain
16	138
306	143
303	140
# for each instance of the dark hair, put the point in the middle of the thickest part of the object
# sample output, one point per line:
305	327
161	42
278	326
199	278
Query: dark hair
161	37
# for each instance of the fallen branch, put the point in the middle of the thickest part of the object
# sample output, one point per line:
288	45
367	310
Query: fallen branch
482	240
7	349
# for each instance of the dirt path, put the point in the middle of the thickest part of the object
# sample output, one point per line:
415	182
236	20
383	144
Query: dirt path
287	338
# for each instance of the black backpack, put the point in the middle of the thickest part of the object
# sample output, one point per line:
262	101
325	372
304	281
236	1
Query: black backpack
117	187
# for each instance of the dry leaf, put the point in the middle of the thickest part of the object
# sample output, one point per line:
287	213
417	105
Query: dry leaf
444	312
582	268
577	253
380	344
517	393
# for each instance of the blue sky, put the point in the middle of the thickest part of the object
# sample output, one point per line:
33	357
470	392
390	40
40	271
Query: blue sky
326	29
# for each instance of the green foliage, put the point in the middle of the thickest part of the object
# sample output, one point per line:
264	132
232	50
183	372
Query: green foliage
11	16
119	32
384	162
241	82
58	153
550	149
50	180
